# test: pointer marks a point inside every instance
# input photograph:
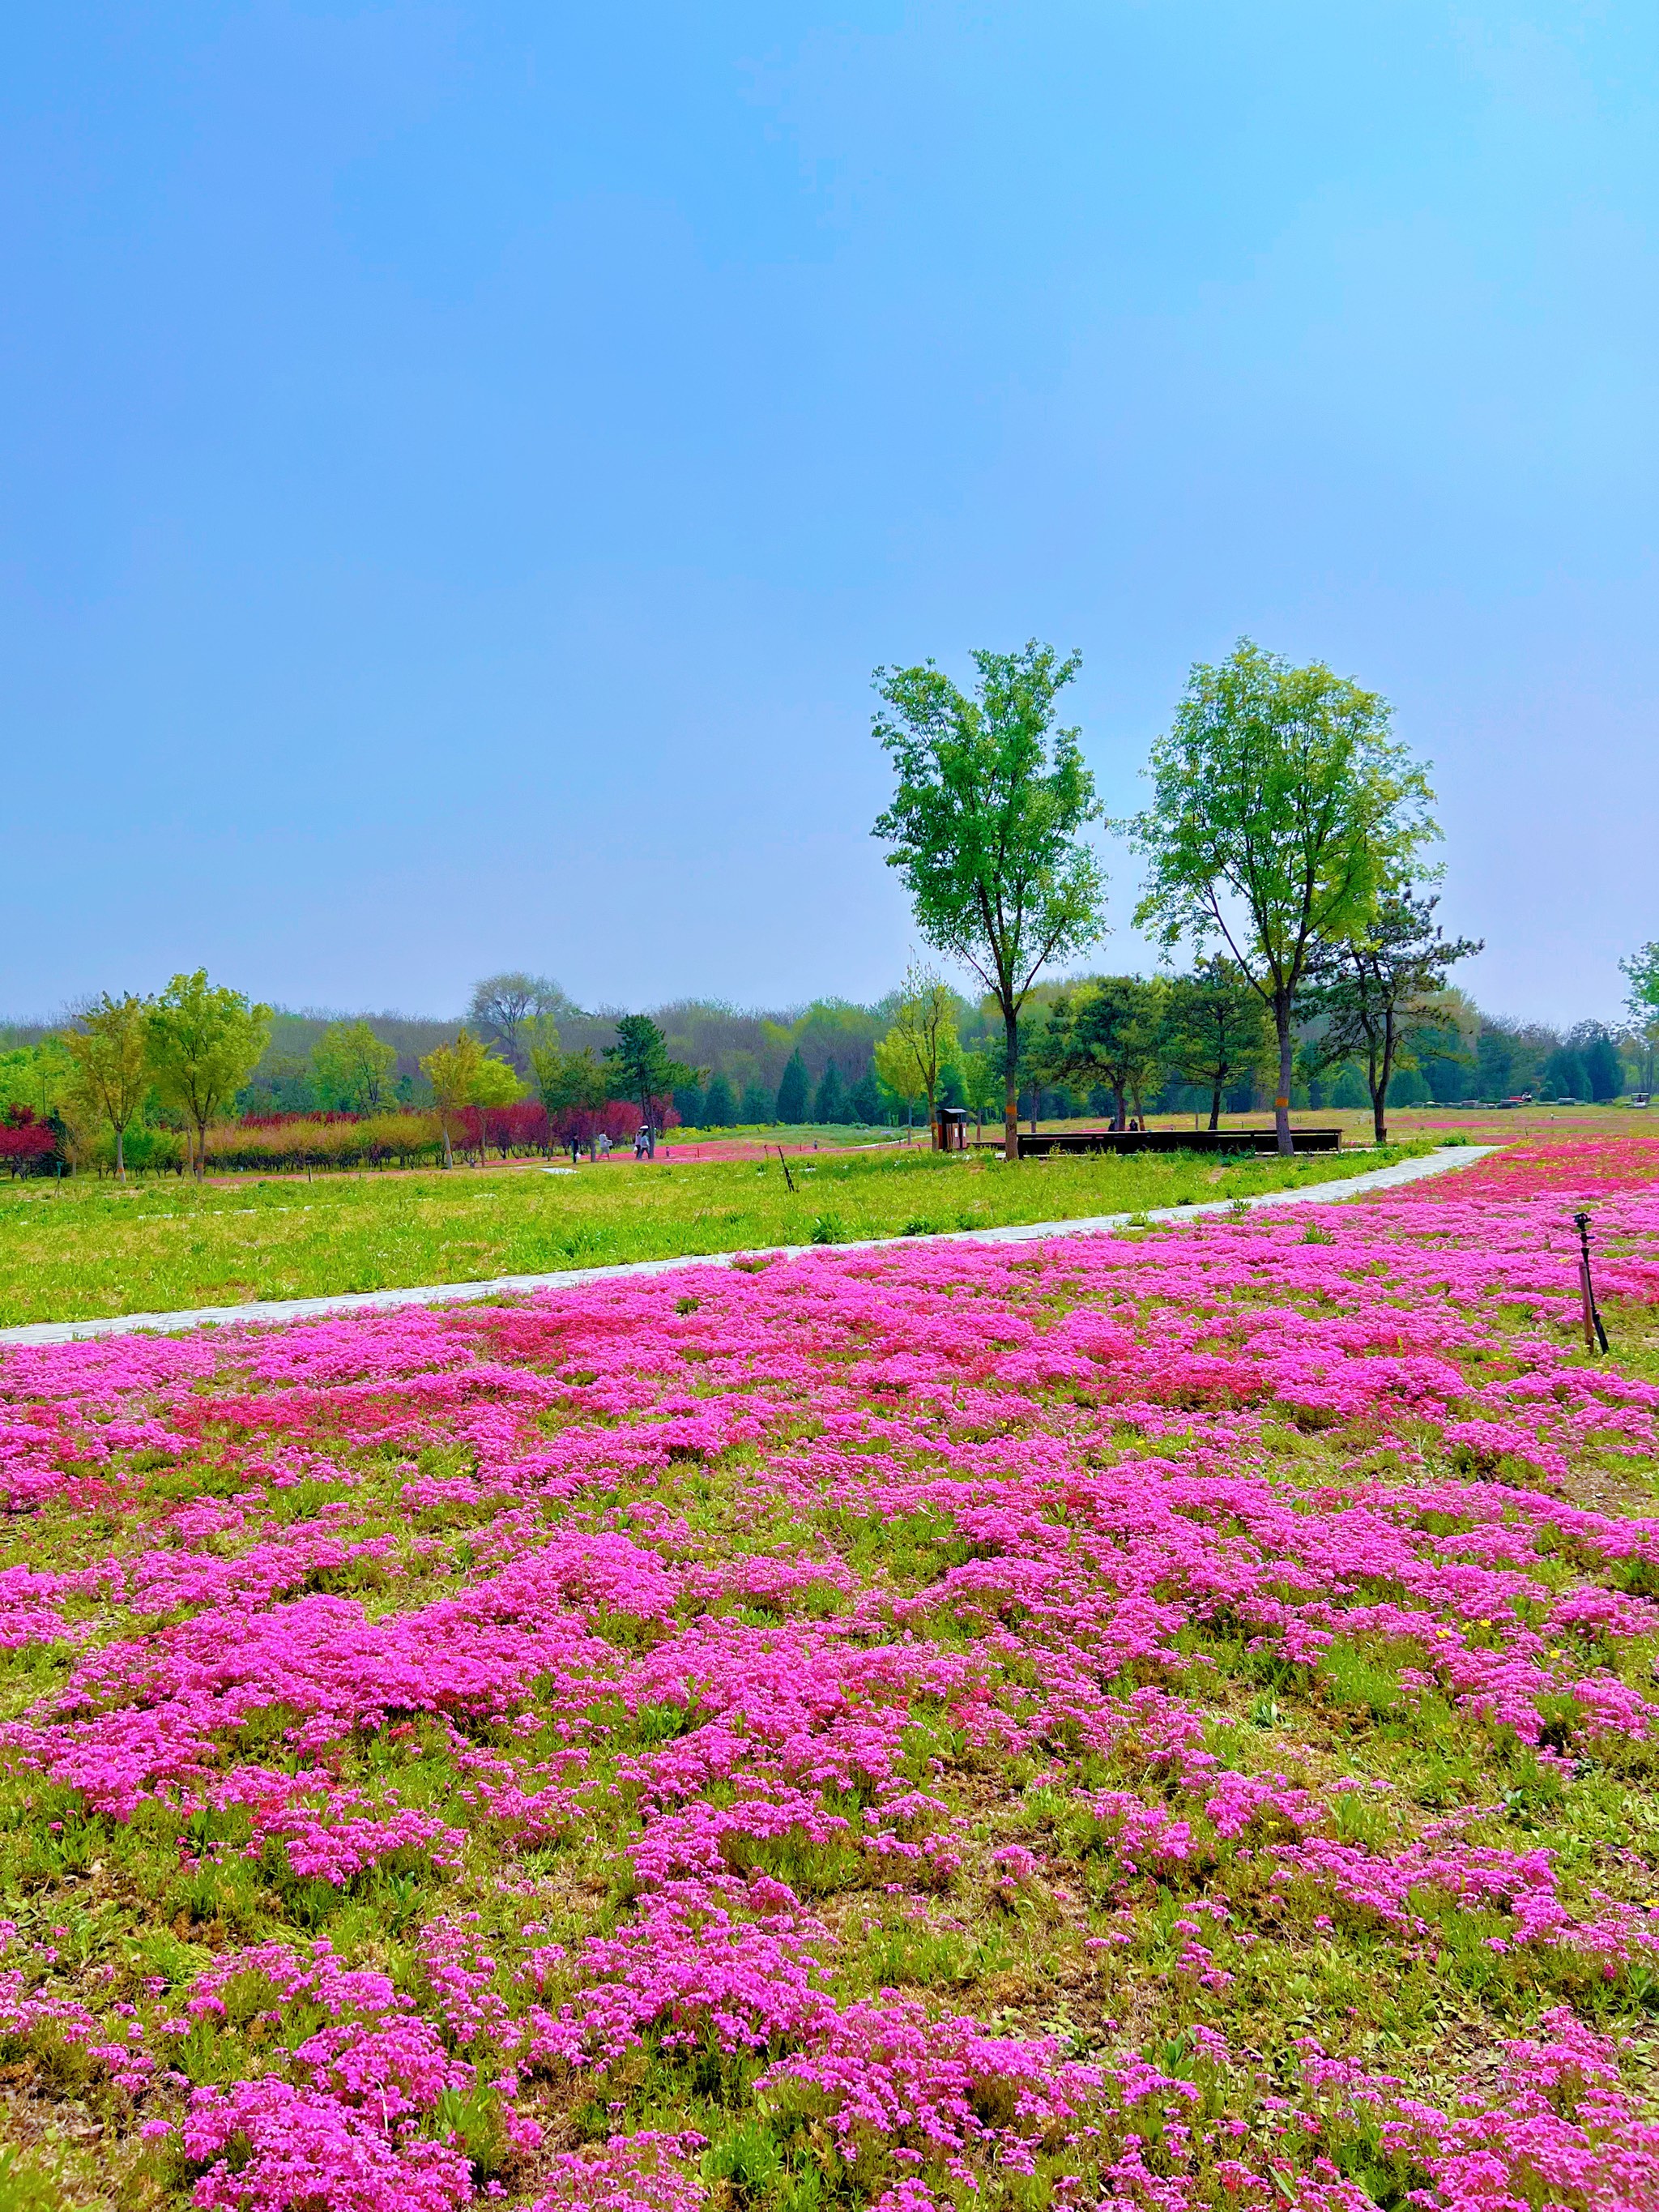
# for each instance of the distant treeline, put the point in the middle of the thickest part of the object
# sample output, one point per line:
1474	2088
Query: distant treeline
827	1050
817	1064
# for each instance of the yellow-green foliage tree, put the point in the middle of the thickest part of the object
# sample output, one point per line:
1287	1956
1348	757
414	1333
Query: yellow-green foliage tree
110	1053
35	1076
465	1074
497	1084
353	1067
921	1047
203	1042
452	1070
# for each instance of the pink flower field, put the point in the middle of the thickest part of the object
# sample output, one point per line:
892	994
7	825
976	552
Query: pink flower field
1159	1721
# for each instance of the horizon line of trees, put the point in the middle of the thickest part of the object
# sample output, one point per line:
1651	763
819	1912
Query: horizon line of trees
177	1066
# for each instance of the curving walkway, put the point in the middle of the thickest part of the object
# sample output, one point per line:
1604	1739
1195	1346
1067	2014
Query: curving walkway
432	1294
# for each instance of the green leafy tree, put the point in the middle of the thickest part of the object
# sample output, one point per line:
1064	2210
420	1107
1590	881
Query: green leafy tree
282	1083
570	1083
548	1061
452	1070
202	1042
981	1085
353	1067
1281	808
1108	1030
720	1108
792	1092
640	1069
986	824
463	1074
758	1106
497	1084
1382	994
922	1045
1216	1032
1641	973
867	1099
38	1076
110	1049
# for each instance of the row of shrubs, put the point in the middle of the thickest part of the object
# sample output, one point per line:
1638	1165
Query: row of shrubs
376	1141
277	1144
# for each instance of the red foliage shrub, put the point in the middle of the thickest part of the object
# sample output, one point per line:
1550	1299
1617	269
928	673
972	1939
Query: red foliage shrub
26	1142
520	1127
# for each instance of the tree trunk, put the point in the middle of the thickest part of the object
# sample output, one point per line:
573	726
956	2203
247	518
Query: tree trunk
1011	1086
1117	1106
120	1157
1286	1056
449	1153
1380	1098
1215	1106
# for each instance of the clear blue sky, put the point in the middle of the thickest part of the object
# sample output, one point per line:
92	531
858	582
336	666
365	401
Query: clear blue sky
459	466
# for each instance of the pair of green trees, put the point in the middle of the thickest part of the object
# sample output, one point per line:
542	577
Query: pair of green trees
466	1073
1378	1001
1284	818
353	1068
1126	1035
193	1046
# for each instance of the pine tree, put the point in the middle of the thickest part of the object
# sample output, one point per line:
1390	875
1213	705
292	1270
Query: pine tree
1604	1078
833	1101
792	1091
867	1097
688	1104
641	1071
720	1108
757	1107
1564	1074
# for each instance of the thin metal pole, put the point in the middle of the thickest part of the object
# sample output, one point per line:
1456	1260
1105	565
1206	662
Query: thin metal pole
1595	1335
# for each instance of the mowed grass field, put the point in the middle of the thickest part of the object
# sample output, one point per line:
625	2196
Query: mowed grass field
79	1250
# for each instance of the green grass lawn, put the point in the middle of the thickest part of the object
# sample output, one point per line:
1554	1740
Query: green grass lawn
82	1249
